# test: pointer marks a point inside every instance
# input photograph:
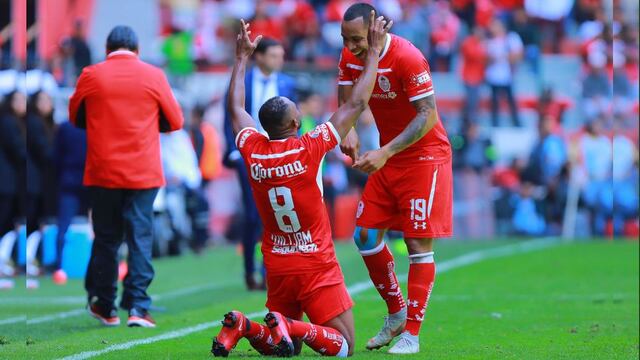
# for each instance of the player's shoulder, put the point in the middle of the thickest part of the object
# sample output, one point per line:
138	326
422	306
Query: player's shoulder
401	47
245	134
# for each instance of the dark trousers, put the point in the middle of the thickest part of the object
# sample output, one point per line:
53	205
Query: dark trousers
70	204
121	215
471	105
253	225
504	91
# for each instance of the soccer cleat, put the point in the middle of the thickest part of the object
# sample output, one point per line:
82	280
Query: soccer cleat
140	318
106	317
407	344
393	325
59	277
233	329
278	325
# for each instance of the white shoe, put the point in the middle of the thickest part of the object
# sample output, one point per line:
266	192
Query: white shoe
407	344
393	325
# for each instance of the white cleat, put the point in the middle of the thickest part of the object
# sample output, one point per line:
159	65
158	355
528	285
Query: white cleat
393	325
407	344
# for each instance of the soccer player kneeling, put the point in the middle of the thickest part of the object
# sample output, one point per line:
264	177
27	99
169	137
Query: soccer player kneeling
303	274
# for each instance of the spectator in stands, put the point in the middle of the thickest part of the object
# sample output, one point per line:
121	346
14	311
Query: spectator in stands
266	22
39	124
625	181
547	168
504	52
527	216
13	156
530	35
40	119
476	151
123	103
415	26
262	82
70	152
178	51
594	159
77	48
189	212
206	143
445	27
474	59
549	16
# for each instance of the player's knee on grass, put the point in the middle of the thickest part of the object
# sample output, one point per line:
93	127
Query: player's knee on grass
368	241
419	246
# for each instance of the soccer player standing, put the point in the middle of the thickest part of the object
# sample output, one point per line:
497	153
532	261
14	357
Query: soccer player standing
410	186
303	275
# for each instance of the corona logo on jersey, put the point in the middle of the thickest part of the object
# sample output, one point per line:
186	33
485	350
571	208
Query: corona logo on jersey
259	172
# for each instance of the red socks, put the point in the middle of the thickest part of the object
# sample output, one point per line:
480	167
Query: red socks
259	337
422	271
381	267
325	340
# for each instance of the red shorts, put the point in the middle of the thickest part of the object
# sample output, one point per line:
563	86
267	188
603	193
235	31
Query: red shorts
416	200
321	295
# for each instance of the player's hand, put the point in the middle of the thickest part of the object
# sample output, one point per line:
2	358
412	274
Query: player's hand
244	45
372	161
378	29
350	145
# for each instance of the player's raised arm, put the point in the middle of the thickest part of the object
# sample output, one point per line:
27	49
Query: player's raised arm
235	102
347	114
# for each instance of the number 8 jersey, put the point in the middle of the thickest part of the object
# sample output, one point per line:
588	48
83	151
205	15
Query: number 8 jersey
286	182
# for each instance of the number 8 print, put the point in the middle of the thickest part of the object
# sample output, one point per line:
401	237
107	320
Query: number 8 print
285	209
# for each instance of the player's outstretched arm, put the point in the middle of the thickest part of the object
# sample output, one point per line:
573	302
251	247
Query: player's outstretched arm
347	114
240	119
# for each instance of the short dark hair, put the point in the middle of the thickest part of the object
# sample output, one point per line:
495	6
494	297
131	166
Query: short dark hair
122	37
265	44
272	112
359	10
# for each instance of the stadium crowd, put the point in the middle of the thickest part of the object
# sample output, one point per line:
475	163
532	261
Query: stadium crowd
484	42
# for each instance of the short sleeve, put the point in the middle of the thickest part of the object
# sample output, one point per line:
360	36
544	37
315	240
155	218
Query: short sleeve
320	140
246	138
345	76
416	75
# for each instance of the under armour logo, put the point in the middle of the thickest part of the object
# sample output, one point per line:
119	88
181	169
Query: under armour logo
380	286
413	303
420	225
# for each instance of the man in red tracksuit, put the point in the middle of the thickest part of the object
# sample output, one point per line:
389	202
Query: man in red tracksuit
123	103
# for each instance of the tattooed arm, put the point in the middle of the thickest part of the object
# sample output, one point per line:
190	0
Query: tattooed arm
425	119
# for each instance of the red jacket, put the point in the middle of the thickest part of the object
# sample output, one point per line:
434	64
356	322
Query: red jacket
124	104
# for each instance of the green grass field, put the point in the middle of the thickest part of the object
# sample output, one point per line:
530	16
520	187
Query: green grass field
492	300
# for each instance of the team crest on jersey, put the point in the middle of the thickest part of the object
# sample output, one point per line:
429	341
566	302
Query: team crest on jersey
315	133
384	83
420	79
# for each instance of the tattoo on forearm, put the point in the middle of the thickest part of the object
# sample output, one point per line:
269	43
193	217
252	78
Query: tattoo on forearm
420	125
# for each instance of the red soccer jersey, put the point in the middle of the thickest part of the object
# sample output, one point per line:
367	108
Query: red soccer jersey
286	181
403	76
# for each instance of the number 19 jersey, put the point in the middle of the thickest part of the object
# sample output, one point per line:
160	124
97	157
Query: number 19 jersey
286	182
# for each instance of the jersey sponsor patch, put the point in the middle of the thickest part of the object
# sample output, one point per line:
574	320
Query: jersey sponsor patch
259	172
243	138
419	79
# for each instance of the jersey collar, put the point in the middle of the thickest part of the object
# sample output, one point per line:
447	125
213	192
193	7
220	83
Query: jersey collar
386	47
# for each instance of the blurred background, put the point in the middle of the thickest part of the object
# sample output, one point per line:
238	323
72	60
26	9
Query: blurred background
544	133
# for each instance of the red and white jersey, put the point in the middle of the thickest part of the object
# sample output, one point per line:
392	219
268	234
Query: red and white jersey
403	76
286	180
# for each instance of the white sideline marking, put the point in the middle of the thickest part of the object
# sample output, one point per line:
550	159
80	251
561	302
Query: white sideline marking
166	336
354	289
13	320
81	299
